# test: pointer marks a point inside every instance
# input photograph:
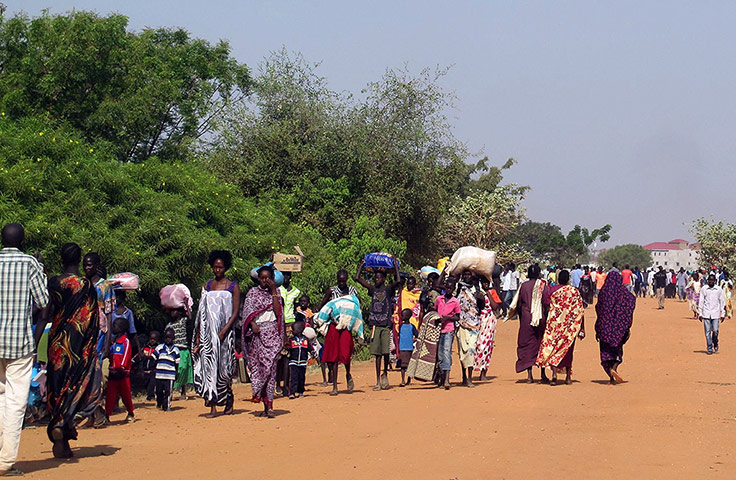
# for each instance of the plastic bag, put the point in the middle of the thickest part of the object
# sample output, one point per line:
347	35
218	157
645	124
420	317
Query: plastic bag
125	281
278	277
176	296
378	261
425	271
474	259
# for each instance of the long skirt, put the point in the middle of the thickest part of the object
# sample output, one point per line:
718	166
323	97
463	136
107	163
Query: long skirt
264	350
422	363
611	354
466	342
184	375
486	341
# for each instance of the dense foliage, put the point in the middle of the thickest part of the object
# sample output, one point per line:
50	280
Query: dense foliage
157	219
717	241
147	93
629	254
331	158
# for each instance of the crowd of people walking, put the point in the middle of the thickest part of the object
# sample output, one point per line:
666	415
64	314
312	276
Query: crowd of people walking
273	333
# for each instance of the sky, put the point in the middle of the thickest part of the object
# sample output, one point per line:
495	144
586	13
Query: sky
616	112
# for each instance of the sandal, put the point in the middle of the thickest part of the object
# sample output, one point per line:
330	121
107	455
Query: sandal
616	377
13	472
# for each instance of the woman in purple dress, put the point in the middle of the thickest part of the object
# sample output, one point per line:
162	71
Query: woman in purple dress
615	310
532	321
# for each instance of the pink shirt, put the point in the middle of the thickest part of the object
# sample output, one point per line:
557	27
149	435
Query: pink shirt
626	274
447	308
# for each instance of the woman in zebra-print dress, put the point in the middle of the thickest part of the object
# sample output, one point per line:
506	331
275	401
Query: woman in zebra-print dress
263	337
213	353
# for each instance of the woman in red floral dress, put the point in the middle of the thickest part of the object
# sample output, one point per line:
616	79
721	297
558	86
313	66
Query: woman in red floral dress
565	323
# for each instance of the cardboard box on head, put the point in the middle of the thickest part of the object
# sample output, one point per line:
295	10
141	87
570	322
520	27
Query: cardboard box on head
287	263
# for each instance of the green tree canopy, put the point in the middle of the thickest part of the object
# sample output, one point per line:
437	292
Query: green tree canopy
330	158
147	93
629	254
717	242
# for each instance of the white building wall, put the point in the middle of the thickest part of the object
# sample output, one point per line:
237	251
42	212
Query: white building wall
686	258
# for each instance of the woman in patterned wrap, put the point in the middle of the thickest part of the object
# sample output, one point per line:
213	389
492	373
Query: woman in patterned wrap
615	309
213	352
73	380
263	337
565	323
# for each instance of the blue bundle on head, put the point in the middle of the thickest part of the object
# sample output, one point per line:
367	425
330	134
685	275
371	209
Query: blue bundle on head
379	261
278	277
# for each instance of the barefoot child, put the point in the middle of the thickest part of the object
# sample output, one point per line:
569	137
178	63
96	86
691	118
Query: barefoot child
407	334
379	319
121	361
178	323
149	364
299	348
167	360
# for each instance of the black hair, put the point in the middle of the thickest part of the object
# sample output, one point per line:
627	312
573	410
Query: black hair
266	268
299	317
626	266
155	332
71	254
224	255
120	294
433	276
483	278
94	257
534	271
124	321
406	310
13	235
173	333
563	277
304	295
342	271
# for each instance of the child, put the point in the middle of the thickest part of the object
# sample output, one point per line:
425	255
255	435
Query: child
167	360
148	364
299	348
380	319
122	311
121	360
407	334
185	376
448	308
303	308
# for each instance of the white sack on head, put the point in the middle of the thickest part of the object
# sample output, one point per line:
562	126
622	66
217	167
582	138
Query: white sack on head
474	259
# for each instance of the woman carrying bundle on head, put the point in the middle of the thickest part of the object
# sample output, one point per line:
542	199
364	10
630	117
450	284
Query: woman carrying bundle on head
263	336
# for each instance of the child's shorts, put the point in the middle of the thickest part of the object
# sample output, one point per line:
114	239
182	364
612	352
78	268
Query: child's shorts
381	343
404	357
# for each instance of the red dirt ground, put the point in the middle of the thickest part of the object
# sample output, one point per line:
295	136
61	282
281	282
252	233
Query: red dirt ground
674	418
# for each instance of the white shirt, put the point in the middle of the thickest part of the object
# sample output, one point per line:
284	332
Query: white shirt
510	281
712	302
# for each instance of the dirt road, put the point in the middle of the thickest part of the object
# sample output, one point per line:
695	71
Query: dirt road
674	418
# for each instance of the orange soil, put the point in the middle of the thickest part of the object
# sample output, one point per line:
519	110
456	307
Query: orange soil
674	418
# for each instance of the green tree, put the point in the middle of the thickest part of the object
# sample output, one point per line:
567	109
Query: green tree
579	240
328	157
545	242
148	93
486	220
157	219
717	242
629	254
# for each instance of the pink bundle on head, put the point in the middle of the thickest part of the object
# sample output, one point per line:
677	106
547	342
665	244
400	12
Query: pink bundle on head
176	296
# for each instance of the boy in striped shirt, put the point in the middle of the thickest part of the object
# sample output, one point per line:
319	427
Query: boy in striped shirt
167	361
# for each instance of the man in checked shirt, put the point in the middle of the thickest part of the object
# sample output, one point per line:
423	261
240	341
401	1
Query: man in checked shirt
22	288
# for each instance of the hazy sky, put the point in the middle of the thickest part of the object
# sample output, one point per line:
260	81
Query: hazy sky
617	112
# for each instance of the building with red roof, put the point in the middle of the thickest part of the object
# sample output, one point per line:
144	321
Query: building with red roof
674	254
